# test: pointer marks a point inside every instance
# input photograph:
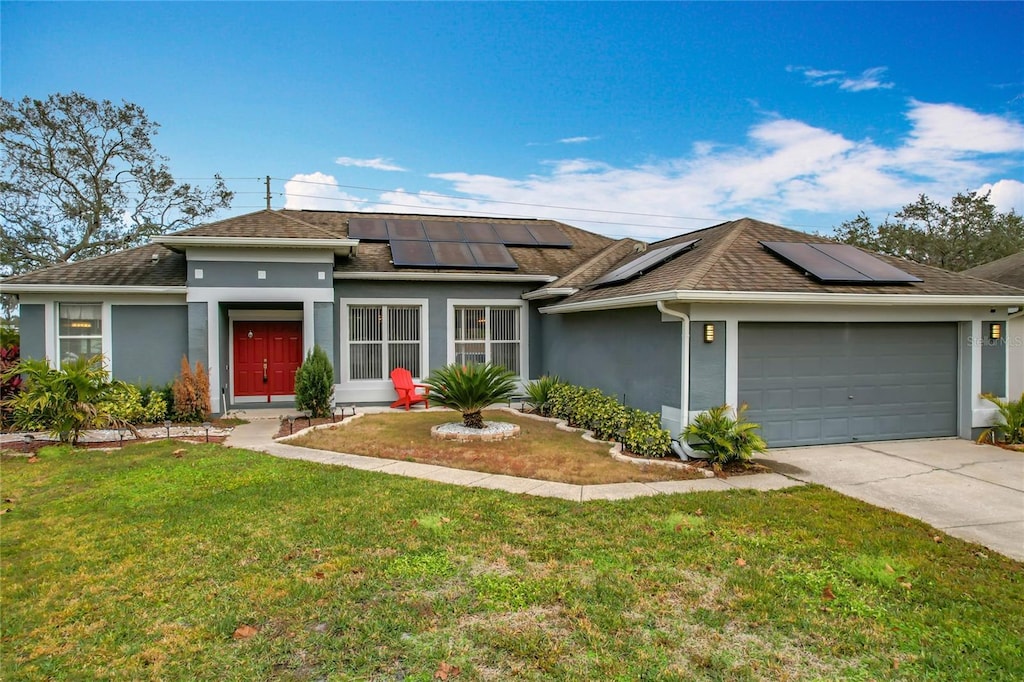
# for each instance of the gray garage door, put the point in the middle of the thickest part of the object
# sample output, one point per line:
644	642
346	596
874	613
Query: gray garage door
809	384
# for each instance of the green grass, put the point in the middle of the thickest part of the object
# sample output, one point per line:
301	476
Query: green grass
141	565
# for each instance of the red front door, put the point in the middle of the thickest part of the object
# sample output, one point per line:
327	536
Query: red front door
266	356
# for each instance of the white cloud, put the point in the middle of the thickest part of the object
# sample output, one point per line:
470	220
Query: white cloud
576	140
1006	195
784	168
378	163
869	79
319	191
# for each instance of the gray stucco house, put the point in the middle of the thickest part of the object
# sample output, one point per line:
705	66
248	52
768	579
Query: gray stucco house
1009	270
827	344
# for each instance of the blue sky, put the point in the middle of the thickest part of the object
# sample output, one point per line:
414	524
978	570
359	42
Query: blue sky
628	119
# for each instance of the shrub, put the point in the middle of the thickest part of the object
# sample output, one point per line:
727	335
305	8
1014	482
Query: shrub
1010	426
191	393
726	439
563	400
65	401
156	403
10	385
539	393
470	389
134	405
642	434
314	384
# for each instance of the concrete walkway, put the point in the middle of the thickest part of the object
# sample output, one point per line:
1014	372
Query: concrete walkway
258	435
973	492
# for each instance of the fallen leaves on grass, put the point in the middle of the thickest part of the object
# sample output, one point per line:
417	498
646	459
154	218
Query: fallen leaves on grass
827	594
179	453
741	562
244	632
446	671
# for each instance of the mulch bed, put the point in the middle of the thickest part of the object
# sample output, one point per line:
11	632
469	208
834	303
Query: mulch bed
287	429
35	446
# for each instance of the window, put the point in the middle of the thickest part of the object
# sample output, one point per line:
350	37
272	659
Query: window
79	330
383	337
487	333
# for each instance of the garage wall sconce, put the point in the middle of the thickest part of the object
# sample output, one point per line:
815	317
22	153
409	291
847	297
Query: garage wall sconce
709	333
995	331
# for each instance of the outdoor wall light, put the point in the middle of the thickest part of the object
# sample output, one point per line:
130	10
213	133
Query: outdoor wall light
709	333
995	331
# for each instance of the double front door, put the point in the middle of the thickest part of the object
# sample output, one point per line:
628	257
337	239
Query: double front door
266	357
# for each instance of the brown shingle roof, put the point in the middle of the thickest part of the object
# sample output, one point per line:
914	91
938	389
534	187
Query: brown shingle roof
279	224
730	258
1008	270
132	267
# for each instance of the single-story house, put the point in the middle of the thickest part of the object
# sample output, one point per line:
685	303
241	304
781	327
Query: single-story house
1009	270
826	343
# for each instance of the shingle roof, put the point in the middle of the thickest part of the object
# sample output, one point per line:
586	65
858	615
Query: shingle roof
1008	270
729	258
134	267
131	267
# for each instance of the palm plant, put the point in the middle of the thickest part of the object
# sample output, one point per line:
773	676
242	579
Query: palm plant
65	401
1011	424
723	437
471	388
539	393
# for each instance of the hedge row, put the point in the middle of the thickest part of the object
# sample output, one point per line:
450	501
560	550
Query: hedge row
588	408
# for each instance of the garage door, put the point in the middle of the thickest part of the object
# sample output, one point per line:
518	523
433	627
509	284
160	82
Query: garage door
810	384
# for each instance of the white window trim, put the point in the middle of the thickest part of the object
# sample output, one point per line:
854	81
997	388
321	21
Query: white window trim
106	345
377	390
524	326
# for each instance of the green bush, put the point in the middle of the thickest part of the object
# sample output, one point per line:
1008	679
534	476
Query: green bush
314	384
1010	426
639	432
157	403
66	401
471	388
130	404
539	393
724	438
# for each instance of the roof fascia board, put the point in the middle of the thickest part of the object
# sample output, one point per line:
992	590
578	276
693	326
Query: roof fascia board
785	297
549	292
184	241
90	289
445	276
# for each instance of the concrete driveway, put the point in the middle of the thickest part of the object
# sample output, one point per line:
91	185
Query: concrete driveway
973	492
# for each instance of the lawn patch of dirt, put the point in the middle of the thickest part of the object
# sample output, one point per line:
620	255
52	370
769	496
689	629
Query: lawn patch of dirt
541	451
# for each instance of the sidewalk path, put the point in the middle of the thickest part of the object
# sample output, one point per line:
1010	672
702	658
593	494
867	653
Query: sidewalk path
259	433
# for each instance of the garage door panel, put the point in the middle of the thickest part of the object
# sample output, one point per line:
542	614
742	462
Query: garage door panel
902	379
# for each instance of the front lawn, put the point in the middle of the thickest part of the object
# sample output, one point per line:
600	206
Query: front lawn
540	451
178	562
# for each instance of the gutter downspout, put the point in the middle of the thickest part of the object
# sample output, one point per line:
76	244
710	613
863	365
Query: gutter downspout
684	393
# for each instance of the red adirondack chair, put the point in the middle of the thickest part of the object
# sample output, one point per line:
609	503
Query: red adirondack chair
406	389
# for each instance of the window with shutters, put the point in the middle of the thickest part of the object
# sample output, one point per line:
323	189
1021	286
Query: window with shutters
382	337
489	333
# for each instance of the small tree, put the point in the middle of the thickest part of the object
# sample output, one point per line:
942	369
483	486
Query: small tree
65	401
470	389
314	384
191	392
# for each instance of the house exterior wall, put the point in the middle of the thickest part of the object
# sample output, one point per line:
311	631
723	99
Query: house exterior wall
148	342
707	366
247	274
629	352
198	334
437	298
993	363
32	328
324	331
1015	357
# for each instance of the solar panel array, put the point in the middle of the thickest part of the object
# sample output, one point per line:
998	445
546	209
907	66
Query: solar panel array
453	244
839	263
646	262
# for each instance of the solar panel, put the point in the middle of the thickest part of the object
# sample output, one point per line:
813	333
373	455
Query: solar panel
512	234
549	235
438	231
480	233
646	262
878	270
369	229
493	256
406	229
838	263
453	255
412	253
